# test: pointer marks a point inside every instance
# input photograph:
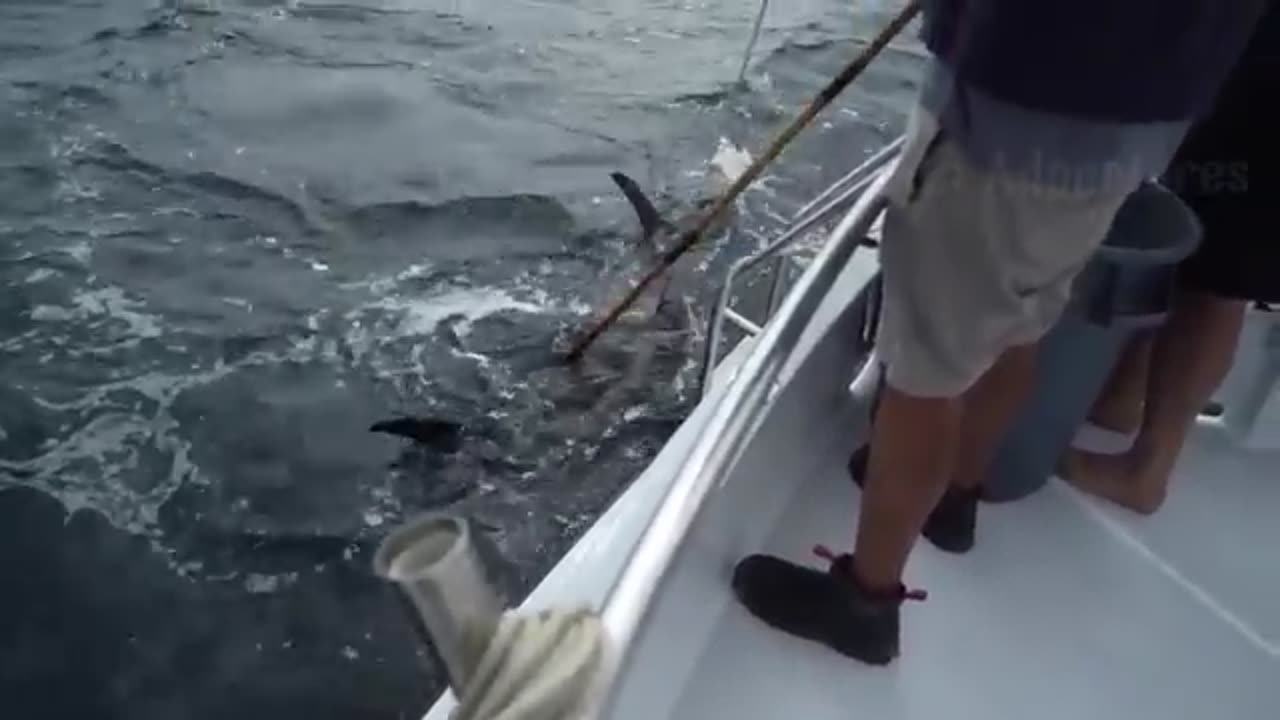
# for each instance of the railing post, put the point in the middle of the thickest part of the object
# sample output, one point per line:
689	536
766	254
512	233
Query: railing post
778	272
835	197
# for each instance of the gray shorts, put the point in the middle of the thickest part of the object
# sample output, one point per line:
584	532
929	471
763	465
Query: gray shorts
974	262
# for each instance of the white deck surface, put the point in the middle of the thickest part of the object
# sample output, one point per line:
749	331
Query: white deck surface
1065	609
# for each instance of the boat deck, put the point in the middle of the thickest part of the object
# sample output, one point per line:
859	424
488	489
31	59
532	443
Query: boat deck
1065	609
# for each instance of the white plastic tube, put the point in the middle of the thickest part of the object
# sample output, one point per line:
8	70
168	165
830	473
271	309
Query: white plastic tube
432	561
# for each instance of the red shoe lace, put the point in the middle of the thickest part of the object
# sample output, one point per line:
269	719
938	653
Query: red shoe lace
902	593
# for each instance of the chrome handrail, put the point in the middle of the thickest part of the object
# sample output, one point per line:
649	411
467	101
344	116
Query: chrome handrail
827	203
722	439
876	160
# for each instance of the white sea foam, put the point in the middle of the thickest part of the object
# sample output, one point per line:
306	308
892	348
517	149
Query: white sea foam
39	275
262	584
421	316
730	160
102	303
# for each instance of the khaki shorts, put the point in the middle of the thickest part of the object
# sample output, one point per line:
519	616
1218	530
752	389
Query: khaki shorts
974	262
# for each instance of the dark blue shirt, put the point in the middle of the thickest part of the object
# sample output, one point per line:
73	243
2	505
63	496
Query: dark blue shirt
1078	93
1106	60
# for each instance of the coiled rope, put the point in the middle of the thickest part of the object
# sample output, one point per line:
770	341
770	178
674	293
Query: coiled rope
537	667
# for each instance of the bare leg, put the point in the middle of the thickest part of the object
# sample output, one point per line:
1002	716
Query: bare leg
989	407
905	479
1191	356
1119	406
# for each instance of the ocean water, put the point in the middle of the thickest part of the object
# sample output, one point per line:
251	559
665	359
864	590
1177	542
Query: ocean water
234	234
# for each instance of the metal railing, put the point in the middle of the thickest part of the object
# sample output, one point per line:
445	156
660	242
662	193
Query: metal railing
828	203
735	415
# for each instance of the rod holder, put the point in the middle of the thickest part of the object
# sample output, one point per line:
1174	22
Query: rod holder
435	566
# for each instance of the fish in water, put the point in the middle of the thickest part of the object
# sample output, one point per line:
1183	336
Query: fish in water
444	436
660	321
653	227
661	326
620	374
658	234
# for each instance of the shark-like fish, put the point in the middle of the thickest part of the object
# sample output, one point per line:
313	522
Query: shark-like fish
661	320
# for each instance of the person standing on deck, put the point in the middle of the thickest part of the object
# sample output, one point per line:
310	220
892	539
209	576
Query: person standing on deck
1166	377
1034	122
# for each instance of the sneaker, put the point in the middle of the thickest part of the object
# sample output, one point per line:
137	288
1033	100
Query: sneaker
830	607
952	526
953	523
858	464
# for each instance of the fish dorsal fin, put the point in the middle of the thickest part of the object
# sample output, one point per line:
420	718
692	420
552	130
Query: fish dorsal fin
651	221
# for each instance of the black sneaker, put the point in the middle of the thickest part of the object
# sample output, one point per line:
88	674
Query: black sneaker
826	607
858	464
952	525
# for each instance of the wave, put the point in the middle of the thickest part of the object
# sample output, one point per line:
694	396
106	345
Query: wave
544	210
465	227
471	227
48	92
207	183
27	189
344	12
204	187
708	98
171	17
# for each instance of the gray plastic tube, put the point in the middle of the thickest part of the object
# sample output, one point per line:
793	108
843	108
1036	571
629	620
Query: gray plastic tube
1126	288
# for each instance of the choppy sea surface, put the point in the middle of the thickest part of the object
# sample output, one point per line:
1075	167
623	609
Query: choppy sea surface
235	233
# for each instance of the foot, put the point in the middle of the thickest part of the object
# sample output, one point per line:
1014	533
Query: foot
831	608
1115	478
858	464
952	526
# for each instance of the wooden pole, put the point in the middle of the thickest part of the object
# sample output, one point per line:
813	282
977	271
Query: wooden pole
692	236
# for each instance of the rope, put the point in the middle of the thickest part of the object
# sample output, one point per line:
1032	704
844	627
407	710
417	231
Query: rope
535	668
755	37
693	235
